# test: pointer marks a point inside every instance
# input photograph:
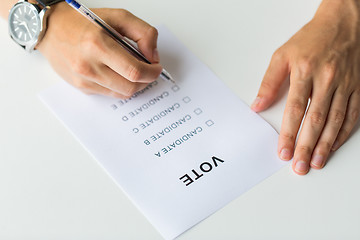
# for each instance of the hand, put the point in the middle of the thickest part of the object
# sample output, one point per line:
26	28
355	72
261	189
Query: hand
323	62
85	56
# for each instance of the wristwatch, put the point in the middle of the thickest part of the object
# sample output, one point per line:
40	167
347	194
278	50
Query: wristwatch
27	22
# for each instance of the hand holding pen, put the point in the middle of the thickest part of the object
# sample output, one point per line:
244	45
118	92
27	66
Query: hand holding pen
133	50
91	60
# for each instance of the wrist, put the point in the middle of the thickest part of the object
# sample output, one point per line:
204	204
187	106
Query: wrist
342	18
54	9
58	29
342	10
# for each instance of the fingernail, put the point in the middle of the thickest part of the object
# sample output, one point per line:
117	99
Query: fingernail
256	102
335	146
285	154
317	161
156	57
301	167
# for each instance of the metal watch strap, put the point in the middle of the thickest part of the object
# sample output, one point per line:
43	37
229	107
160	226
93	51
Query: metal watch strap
46	3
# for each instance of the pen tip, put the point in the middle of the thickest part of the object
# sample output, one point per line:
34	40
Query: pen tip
167	76
171	79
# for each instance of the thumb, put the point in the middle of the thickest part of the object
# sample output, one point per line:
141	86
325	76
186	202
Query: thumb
275	75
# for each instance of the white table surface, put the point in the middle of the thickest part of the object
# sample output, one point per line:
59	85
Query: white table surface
51	188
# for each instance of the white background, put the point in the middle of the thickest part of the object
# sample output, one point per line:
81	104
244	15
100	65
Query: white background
51	188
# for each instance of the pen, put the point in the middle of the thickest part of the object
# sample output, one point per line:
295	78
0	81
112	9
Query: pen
117	36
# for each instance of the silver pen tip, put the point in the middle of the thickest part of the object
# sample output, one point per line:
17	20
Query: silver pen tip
166	75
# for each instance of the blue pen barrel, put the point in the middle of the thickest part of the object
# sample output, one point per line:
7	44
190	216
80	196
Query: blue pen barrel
74	3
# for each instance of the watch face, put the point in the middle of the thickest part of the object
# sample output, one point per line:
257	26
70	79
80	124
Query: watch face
24	23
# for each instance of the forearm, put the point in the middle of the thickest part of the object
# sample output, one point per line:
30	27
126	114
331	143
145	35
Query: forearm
5	6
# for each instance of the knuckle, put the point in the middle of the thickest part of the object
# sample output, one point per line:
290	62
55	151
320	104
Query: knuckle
124	13
134	73
343	92
344	133
329	72
93	42
357	92
153	32
306	67
316	118
354	114
83	68
266	85
295	110
288	136
131	90
337	117
324	147
278	55
304	149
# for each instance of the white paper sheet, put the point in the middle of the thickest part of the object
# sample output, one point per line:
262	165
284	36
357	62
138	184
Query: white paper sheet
180	152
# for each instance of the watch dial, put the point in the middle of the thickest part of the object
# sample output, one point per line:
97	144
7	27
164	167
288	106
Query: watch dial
24	23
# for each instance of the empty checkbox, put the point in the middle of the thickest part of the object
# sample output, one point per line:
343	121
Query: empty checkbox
114	107
209	123
186	99
198	111
175	88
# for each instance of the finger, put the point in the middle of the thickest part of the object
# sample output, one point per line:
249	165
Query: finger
275	75
116	83
94	88
312	127
351	118
122	62
295	108
137	30
333	124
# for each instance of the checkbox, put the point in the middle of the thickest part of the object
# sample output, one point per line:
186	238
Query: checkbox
114	107
175	88
198	111
209	123
186	99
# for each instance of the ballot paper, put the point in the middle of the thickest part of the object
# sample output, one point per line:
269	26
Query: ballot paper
179	151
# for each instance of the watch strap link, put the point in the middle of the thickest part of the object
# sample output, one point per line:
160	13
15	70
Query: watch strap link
46	3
